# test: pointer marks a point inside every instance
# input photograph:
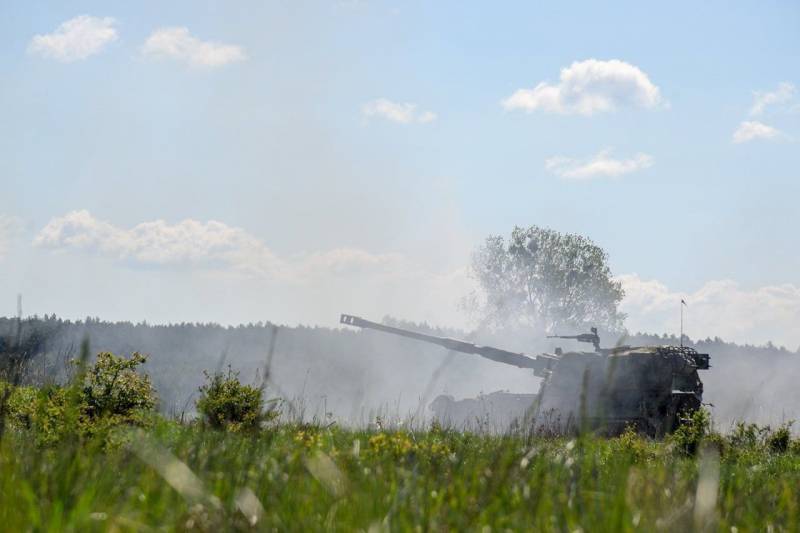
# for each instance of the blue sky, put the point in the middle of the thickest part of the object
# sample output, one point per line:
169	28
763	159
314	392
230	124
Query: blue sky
355	152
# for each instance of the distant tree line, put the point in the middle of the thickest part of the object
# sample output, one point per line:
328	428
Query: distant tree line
350	374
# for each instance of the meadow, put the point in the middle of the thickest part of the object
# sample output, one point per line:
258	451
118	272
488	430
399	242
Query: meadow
94	455
312	478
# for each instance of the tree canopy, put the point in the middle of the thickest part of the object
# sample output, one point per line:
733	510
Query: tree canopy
545	279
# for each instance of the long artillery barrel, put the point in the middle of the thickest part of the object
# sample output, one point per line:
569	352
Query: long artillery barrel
495	354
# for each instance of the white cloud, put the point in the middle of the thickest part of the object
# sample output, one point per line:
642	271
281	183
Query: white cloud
188	243
404	113
782	95
750	130
206	245
601	165
75	39
719	308
177	43
588	87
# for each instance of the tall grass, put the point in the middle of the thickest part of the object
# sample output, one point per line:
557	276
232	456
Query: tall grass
303	477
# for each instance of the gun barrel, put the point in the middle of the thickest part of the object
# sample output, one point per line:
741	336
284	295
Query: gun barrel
495	354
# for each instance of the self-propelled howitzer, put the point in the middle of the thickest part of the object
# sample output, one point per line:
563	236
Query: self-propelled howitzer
651	388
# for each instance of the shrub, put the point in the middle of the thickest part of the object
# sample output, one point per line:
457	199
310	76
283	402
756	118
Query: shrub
794	447
746	437
779	440
113	394
632	443
20	404
109	394
52	421
112	387
226	403
690	434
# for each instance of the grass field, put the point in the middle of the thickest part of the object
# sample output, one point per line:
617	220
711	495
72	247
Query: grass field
303	477
93	454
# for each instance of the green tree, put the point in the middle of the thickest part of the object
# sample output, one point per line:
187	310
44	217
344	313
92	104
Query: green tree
544	279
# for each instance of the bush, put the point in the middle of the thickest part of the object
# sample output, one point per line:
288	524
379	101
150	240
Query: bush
690	434
226	403
780	440
20	406
109	394
113	394
748	437
632	443
52	419
753	440
112	387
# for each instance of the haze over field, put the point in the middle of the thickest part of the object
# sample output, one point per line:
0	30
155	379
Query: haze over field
351	376
291	161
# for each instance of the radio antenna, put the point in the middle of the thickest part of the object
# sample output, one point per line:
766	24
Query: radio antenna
683	304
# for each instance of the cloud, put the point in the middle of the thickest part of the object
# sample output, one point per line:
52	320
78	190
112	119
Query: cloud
178	44
782	95
404	113
208	245
192	243
75	39
752	130
719	308
588	87
601	165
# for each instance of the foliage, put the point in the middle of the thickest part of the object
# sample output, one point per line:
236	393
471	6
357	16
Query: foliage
753	439
226	403
56	419
545	279
688	437
108	395
113	387
779	440
634	445
748	436
404	446
20	404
